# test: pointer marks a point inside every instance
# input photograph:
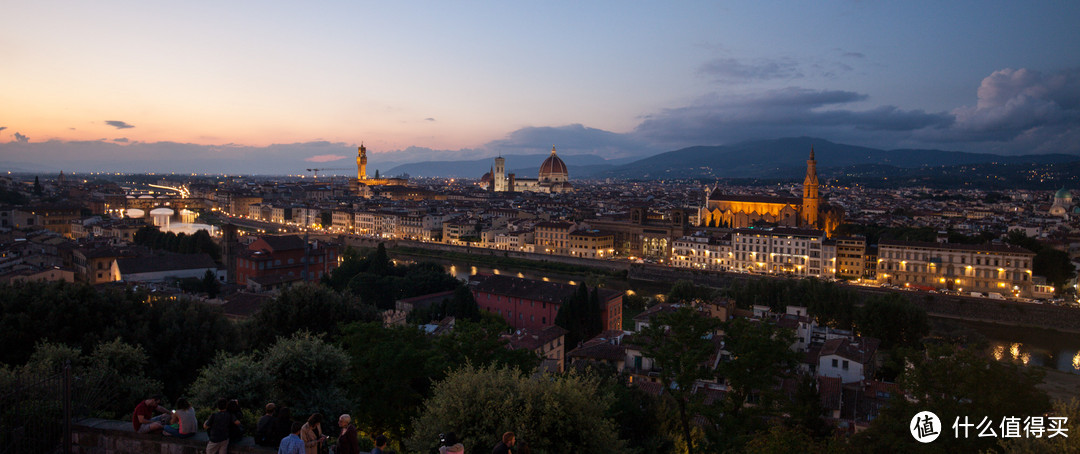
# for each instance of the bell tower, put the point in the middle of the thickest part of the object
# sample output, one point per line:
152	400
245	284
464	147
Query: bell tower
810	203
361	162
498	175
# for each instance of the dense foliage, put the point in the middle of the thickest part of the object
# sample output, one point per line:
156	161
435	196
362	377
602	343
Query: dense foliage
1051	263
306	307
393	368
553	414
954	382
198	242
580	315
178	337
378	281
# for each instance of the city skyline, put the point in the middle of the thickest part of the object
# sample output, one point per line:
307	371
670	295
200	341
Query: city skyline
204	83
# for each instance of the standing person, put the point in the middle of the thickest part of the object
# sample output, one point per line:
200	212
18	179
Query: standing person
265	427
143	419
236	431
282	425
456	448
312	433
292	444
506	445
183	424
380	445
347	441
217	428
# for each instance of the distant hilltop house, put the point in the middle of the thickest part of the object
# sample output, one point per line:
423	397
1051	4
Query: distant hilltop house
742	211
552	178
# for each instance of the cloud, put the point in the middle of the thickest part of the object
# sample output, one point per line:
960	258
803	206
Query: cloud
429	119
570	139
735	70
118	124
714	119
325	158
3	128
1015	103
21	138
121	140
858	55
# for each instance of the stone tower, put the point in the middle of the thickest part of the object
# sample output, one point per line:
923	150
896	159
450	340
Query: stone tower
810	200
498	176
361	162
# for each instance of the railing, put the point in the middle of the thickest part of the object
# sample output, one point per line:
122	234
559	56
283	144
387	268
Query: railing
38	408
35	413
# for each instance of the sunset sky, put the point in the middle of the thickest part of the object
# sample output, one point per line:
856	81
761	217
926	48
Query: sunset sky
160	85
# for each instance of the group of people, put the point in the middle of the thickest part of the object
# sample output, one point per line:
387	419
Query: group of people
275	428
508	444
179	423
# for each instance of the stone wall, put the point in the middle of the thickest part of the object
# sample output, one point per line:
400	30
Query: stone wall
104	436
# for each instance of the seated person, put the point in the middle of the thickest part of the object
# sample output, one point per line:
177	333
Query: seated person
183	424
143	419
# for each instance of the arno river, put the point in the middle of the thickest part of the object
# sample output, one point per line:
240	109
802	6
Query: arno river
1029	346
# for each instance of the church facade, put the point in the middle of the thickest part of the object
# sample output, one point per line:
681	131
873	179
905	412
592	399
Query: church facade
742	211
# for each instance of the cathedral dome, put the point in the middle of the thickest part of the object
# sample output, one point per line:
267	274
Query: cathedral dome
1063	194
486	178
553	168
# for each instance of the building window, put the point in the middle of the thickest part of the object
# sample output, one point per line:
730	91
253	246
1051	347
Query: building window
834	363
845	365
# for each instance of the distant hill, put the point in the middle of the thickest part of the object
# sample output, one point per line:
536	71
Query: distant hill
778	158
525	166
786	158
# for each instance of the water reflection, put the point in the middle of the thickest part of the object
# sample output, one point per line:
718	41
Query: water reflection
1066	360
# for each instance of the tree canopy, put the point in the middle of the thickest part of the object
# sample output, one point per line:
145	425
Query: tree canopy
552	413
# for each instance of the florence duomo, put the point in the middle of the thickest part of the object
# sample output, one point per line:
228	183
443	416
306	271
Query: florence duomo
552	178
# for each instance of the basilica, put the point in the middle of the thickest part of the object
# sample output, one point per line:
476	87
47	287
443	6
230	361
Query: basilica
553	177
741	211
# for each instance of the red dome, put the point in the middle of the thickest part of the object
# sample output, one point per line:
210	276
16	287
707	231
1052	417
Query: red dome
553	166
486	178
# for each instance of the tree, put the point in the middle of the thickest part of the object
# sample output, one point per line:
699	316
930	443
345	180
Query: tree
1058	444
210	284
893	320
760	355
1048	262
111	379
578	316
308	374
684	291
564	413
480	344
239	376
392	374
178	336
680	343
952	383
37	186
780	439
308	307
